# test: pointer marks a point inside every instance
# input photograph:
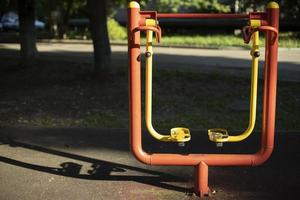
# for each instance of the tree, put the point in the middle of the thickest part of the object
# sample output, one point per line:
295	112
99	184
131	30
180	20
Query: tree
212	6
59	12
26	11
97	12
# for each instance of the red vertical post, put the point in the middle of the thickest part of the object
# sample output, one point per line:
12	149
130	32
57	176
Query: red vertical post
134	70
135	83
201	180
270	77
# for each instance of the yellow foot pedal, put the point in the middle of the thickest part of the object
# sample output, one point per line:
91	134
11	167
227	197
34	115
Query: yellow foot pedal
218	135
180	134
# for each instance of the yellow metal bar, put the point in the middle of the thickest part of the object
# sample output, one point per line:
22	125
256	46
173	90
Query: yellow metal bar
150	22
221	135
178	134
148	99
255	23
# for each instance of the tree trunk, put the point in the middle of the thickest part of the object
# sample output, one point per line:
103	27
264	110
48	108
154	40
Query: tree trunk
63	26
26	10
98	26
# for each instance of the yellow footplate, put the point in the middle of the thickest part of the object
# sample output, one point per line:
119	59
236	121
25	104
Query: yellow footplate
218	135
180	134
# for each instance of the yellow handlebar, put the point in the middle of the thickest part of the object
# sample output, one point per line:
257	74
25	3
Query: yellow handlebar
177	134
221	135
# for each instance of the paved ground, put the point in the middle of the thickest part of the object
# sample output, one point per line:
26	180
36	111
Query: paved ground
96	164
75	164
225	60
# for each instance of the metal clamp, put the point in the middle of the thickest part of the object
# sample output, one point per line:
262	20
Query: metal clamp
155	29
248	31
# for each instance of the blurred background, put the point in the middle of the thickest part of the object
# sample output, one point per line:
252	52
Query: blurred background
69	19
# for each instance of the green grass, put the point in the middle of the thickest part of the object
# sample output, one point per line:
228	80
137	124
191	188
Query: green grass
287	40
194	99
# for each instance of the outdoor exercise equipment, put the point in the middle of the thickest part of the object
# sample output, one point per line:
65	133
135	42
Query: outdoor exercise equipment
177	134
221	135
266	22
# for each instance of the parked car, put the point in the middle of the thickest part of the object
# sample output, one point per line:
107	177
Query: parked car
10	21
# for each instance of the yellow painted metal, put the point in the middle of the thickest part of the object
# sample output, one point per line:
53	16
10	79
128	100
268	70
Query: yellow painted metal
218	134
151	22
221	135
133	4
177	134
255	23
272	4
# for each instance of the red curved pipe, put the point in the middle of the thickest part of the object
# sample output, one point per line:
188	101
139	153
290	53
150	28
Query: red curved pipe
155	29
248	31
269	105
210	159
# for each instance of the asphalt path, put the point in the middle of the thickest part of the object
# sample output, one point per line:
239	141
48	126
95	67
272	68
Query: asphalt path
227	60
66	163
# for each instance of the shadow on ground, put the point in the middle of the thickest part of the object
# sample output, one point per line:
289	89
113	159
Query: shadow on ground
101	170
278	178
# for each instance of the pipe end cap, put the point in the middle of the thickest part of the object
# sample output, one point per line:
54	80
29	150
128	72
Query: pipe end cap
133	4
273	4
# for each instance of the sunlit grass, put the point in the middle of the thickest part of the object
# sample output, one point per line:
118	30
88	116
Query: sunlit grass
181	98
287	40
194	99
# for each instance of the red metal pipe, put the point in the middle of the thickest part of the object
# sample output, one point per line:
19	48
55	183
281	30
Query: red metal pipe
203	15
270	80
194	159
247	32
201	180
156	29
135	87
202	161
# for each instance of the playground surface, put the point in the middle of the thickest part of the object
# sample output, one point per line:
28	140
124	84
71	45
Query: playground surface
93	163
57	163
229	59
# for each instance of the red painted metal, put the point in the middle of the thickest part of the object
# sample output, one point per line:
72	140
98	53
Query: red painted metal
201	160
203	15
156	29
247	32
258	15
201	180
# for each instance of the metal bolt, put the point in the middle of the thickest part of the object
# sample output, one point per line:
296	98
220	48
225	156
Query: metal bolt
219	144
256	54
148	54
181	144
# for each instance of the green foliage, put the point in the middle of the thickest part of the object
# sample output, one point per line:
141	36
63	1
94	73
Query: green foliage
112	6
3	6
290	9
191	6
70	7
115	31
287	40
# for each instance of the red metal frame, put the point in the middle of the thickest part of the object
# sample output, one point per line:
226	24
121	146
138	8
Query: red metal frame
201	161
203	15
